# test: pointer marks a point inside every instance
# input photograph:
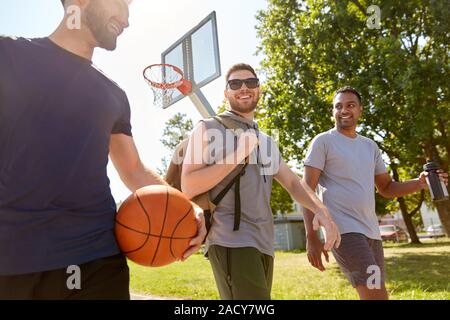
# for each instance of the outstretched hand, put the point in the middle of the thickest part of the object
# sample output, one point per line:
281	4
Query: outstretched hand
423	178
332	236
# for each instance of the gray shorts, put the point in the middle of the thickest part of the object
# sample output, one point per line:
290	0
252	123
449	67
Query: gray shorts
361	259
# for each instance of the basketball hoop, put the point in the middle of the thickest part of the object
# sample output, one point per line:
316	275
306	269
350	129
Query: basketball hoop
164	79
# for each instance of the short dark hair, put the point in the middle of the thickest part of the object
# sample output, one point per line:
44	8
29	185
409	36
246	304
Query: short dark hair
238	67
349	89
62	1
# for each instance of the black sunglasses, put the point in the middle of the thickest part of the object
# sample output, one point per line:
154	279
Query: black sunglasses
250	83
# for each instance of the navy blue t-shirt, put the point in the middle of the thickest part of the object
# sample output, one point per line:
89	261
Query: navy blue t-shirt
57	113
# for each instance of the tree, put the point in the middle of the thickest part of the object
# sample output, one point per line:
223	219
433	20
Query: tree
312	48
280	200
176	130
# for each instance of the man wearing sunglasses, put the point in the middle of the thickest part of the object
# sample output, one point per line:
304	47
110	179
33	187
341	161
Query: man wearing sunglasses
241	247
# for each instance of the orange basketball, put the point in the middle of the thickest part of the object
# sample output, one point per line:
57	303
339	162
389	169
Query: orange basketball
155	225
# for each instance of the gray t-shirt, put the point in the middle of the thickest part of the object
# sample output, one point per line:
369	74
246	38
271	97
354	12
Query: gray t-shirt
256	227
348	174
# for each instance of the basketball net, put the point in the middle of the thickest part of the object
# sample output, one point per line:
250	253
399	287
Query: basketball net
164	79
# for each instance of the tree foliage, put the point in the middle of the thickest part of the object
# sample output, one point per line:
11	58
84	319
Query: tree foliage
280	200
312	48
176	130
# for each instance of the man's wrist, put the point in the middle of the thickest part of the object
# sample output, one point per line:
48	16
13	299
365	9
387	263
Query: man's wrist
321	210
422	185
312	235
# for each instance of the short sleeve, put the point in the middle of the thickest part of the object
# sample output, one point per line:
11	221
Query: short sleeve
123	124
380	167
316	154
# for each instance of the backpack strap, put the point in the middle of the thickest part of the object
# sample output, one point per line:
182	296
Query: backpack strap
227	123
222	193
237	202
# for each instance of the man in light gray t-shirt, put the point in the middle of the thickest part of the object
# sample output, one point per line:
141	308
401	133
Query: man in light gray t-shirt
240	242
348	166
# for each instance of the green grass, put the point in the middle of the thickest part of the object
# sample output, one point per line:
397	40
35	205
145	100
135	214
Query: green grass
413	272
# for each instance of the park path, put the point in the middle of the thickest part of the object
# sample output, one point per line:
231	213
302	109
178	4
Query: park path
136	296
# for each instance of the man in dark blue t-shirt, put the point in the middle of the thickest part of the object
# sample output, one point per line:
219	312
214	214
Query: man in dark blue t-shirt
60	117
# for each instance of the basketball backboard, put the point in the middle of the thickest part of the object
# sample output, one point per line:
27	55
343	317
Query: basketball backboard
197	55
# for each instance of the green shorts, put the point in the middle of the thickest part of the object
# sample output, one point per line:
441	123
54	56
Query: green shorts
241	273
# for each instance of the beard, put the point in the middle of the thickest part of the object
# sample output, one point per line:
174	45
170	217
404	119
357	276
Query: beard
235	105
97	22
345	124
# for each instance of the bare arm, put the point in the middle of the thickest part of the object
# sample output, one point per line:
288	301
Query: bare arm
389	188
300	192
132	171
136	175
197	176
126	160
314	246
311	178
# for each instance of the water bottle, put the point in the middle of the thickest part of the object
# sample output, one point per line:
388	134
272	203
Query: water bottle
437	188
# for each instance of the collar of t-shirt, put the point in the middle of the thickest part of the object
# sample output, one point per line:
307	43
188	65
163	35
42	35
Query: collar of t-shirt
239	118
335	131
50	42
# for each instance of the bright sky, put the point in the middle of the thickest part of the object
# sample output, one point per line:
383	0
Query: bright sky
154	26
